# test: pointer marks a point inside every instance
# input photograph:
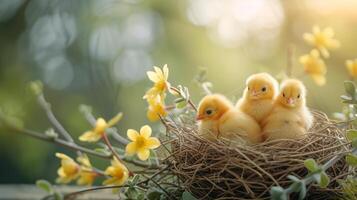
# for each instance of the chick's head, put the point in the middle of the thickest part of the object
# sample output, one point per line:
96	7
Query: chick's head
261	86
212	107
292	93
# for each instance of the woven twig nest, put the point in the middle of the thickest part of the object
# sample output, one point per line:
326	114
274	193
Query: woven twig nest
215	170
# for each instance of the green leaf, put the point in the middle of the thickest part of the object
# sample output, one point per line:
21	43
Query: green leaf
311	165
36	87
135	179
278	193
58	196
181	105
45	186
187	93
187	196
351	160
133	193
349	102
101	150
154	194
317	177
51	133
345	97
178	100
141	196
293	178
351	134
350	88
324	180
302	193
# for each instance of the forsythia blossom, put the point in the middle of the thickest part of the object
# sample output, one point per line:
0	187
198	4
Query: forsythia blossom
86	175
159	77
352	67
156	108
141	142
69	169
155	96
322	40
100	126
118	173
314	66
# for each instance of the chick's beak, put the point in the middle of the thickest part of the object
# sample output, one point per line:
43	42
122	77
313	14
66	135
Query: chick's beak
291	101
199	117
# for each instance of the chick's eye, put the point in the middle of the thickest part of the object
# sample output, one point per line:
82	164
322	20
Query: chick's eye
283	94
298	96
264	89
209	112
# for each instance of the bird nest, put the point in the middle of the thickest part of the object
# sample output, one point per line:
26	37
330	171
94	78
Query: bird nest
212	170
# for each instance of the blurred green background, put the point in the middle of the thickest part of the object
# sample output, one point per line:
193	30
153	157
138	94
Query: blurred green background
97	52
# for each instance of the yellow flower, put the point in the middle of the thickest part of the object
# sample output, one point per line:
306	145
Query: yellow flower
156	108
86	175
159	77
118	173
141	143
352	67
314	66
100	126
322	40
69	169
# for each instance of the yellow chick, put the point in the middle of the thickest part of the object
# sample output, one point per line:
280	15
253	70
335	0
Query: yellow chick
259	94
218	118
290	118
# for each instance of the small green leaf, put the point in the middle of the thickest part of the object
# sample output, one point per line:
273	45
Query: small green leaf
351	160
135	179
311	165
345	97
324	180
351	134
58	196
181	105
154	194
45	186
303	191
293	178
187	196
51	133
36	87
101	150
178	100
350	88
317	177
278	193
187	93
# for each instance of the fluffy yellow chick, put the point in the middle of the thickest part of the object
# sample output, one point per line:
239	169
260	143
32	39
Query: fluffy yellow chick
259	94
218	118
290	118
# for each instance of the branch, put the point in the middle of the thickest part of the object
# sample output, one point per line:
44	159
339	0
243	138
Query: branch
73	146
309	179
60	142
109	145
189	101
92	120
47	108
67	196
